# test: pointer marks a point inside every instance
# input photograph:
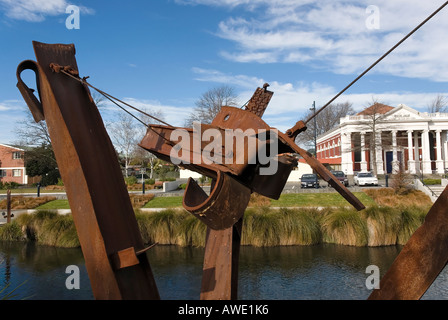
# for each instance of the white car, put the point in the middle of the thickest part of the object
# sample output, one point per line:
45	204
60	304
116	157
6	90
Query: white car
365	179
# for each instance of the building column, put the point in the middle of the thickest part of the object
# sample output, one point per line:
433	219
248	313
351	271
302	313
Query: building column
395	163
426	155
363	152
346	150
379	153
444	148
439	162
411	153
416	153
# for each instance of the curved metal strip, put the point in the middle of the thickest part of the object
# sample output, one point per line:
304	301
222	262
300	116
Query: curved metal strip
33	103
224	206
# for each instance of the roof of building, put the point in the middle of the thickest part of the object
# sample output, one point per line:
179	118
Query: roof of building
12	147
375	109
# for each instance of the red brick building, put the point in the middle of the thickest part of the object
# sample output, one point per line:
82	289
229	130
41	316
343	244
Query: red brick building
382	139
12	165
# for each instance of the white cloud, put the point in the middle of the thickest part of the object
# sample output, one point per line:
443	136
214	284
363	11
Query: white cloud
36	10
4	107
291	101
11	112
333	34
172	115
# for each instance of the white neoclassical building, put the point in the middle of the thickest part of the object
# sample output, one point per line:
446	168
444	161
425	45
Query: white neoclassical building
382	139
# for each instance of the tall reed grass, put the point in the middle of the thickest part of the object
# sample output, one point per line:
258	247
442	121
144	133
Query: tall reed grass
344	226
44	227
262	226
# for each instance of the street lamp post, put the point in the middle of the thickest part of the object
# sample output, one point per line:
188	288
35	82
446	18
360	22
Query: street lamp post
315	128
315	134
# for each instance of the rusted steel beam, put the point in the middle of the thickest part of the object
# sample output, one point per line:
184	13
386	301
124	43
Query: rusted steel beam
221	259
102	211
235	176
421	260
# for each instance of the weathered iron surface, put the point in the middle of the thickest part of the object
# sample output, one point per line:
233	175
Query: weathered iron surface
421	260
101	208
235	175
106	225
220	269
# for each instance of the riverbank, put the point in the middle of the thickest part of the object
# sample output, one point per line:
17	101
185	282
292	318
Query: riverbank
262	227
390	220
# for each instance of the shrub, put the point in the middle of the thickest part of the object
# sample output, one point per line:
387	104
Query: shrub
192	232
11	232
299	227
383	224
49	228
150	181
159	226
430	182
130	180
8	185
411	219
344	226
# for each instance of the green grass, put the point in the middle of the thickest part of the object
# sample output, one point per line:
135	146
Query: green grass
318	199
165	202
54	205
285	201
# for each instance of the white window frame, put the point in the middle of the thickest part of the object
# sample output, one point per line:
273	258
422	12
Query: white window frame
16	155
16	172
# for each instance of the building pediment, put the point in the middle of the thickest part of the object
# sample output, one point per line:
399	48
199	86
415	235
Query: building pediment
402	113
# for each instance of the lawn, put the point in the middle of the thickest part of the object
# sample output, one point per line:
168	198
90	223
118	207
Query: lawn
54	205
164	202
318	199
286	200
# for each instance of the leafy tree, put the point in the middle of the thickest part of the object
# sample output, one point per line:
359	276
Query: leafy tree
40	161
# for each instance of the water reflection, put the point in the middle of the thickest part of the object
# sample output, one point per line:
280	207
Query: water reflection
287	273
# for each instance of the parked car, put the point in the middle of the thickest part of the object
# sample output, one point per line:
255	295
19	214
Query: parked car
309	181
340	175
365	179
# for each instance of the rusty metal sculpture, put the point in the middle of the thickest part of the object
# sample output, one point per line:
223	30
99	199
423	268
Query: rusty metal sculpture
101	208
102	211
114	252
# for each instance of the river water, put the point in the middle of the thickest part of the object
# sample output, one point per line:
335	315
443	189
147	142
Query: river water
320	272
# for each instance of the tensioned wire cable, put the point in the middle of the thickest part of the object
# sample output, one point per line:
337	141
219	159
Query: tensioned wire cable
378	61
114	101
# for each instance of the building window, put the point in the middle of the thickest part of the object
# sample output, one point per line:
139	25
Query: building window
17	155
16	173
2	173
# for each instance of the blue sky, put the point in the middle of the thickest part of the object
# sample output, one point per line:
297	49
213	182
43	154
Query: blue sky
161	55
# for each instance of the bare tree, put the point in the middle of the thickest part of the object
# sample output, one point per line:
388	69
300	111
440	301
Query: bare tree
373	113
439	104
326	120
124	133
210	103
30	133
